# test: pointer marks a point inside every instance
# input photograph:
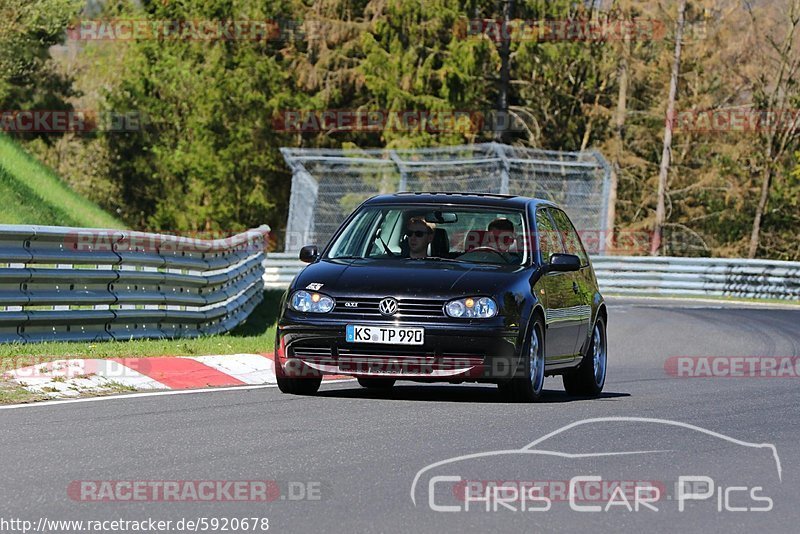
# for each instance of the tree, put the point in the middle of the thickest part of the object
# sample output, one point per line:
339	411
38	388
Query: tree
774	88
505	67
667	149
392	56
28	28
207	157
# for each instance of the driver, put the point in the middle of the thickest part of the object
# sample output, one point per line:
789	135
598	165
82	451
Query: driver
420	236
502	232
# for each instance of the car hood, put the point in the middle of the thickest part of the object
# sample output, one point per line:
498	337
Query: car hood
406	278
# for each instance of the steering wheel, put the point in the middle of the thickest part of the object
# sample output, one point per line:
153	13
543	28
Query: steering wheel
489	249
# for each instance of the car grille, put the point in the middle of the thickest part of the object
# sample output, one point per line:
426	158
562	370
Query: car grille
312	352
402	358
409	309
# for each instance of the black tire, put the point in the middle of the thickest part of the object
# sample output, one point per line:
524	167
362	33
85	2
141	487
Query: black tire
528	381
376	383
305	382
590	376
299	386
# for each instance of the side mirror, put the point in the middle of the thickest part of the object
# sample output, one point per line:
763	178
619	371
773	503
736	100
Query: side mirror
564	263
309	254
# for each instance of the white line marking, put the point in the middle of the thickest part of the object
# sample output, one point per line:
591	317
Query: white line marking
132	395
123	396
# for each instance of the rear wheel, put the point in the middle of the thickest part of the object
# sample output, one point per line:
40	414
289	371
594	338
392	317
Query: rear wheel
590	377
528	382
376	383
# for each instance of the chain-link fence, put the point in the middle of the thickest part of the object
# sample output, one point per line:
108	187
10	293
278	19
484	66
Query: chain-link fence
328	184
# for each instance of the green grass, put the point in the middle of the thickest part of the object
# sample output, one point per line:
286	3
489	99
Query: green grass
33	194
11	393
255	335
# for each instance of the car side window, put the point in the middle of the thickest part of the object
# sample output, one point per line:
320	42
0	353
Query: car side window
549	243
570	237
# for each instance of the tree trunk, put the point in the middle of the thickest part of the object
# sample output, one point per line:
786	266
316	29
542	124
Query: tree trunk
502	124
755	236
658	228
619	130
587	133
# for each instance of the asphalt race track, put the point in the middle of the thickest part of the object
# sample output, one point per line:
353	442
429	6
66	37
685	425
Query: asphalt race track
357	454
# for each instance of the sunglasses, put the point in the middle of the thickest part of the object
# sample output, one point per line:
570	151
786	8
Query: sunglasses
417	233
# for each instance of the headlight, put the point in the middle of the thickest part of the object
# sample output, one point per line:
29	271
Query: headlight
471	308
303	301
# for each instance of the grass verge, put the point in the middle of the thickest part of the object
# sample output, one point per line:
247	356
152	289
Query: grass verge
255	335
34	194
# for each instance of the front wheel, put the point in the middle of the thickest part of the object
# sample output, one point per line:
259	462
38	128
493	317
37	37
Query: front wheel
299	386
528	382
300	380
590	377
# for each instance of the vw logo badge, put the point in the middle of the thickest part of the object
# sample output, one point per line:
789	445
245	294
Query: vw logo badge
387	306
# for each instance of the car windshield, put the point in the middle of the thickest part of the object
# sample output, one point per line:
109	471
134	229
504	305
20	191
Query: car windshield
434	233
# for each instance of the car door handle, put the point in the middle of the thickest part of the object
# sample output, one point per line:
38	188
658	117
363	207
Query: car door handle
575	287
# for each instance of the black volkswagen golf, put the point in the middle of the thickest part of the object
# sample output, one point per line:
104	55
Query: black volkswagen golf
452	287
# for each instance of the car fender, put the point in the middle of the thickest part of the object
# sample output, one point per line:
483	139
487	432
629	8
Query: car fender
598	305
524	332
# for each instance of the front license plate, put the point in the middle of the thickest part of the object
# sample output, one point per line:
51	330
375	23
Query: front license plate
387	335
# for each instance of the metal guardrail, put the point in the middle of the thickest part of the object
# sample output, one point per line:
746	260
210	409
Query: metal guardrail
83	284
646	275
280	268
717	277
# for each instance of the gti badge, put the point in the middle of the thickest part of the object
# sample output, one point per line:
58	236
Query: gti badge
387	306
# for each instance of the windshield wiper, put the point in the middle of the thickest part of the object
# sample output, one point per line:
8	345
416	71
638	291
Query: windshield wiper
437	258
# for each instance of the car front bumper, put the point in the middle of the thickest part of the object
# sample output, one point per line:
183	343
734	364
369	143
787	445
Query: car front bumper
484	352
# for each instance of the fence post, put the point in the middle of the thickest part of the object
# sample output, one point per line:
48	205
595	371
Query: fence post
504	176
402	168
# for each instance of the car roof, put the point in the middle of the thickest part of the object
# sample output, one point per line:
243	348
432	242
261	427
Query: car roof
458	198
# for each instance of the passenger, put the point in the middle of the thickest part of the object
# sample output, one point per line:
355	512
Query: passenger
420	236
